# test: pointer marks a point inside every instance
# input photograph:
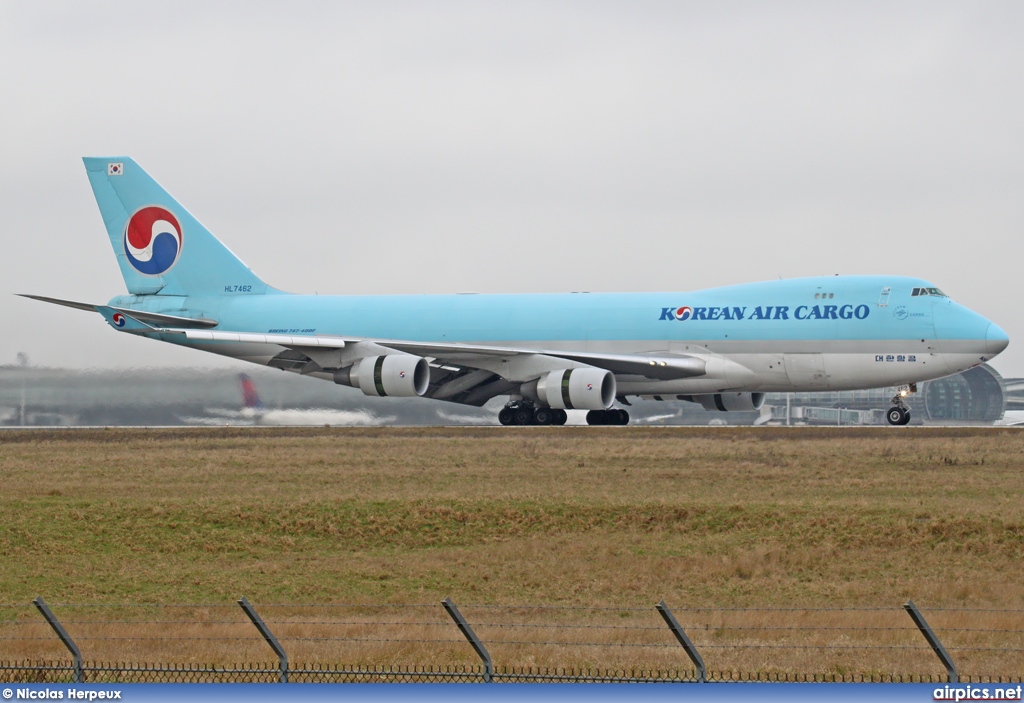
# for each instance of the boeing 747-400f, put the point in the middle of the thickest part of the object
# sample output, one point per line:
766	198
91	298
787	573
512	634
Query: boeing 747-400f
723	348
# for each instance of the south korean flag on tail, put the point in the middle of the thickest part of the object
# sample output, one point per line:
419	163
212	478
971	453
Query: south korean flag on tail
115	169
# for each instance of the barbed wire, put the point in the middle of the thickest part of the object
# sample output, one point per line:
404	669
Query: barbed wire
975	610
232	605
493	606
159	627
807	628
695	627
235	622
95	671
648	609
542	643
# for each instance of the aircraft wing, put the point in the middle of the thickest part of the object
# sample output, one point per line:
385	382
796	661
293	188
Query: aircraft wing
477	373
462	373
470	374
657	366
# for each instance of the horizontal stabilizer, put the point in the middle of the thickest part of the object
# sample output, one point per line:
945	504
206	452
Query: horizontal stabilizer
57	301
155	318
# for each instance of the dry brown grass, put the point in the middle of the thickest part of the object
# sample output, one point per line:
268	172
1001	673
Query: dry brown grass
616	517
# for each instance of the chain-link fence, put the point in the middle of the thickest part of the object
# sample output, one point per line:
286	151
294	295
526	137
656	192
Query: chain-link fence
445	642
99	672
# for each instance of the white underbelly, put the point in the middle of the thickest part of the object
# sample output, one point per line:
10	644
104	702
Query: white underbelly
813	372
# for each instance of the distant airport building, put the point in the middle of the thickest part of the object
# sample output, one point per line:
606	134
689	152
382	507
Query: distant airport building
978	395
1013	388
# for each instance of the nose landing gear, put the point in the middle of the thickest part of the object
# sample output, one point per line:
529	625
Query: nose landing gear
899	413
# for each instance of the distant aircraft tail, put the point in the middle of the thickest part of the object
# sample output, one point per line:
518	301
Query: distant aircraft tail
250	397
160	247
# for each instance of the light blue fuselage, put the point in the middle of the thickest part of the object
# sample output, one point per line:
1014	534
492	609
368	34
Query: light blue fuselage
867	336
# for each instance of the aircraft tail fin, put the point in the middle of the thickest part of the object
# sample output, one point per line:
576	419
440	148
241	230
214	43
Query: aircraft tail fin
160	247
250	397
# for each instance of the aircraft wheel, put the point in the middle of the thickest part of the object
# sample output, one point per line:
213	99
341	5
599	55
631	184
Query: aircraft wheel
897	416
523	417
560	417
607	417
506	416
543	416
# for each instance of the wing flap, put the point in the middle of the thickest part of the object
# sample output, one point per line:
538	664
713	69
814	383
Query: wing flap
283	340
662	367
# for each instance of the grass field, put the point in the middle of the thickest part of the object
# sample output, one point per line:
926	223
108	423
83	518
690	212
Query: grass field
620	517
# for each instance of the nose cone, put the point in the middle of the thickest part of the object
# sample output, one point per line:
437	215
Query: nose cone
995	339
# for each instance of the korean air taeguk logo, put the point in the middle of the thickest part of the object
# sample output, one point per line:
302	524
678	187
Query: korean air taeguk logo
152	240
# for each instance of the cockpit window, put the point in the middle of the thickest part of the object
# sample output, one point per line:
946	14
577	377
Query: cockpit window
936	291
928	291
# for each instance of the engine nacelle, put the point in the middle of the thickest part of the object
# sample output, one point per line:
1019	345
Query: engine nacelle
399	375
586	389
735	402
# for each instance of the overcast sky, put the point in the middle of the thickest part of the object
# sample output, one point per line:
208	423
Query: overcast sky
434	147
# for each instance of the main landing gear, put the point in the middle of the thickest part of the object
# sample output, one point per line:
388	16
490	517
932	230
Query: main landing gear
615	416
524	413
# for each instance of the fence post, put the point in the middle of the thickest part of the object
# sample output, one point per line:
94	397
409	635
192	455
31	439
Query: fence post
267	635
677	630
76	655
933	640
467	631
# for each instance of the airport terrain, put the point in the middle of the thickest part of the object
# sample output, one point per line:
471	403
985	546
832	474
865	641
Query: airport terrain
717	518
698	516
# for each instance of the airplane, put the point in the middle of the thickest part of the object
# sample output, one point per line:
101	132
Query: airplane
723	348
254	412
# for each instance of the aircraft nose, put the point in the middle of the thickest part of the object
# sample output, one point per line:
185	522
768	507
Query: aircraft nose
995	339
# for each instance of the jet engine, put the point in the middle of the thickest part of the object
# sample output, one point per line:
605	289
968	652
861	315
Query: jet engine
398	375
587	389
736	402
